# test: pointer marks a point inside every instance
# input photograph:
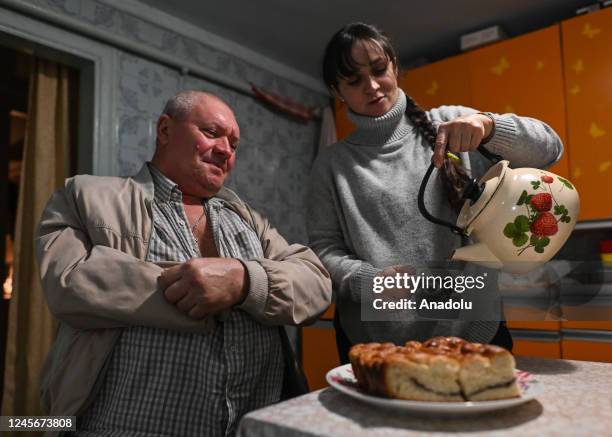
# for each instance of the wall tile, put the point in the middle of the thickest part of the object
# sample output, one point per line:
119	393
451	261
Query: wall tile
68	7
133	92
133	131
130	161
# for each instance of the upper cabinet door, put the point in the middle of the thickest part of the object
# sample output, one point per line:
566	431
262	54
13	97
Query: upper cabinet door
587	54
445	82
523	75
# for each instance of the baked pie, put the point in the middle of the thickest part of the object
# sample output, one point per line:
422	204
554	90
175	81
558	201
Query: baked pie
441	369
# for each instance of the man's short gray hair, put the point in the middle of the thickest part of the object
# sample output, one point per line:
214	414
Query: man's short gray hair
179	106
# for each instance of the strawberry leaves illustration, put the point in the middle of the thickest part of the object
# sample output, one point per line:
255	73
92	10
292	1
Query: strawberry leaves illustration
539	243
517	230
524	199
565	182
563	212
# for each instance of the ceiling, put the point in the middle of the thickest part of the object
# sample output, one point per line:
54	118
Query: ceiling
295	32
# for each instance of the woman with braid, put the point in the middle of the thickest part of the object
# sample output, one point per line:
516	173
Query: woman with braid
363	217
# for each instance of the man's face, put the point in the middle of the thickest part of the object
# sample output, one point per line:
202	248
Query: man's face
200	151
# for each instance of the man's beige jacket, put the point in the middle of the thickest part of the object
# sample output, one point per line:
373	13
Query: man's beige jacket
91	247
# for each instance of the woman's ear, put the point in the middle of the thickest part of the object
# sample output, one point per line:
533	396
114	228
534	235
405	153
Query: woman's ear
337	94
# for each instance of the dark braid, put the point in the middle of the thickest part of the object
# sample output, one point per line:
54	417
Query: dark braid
453	175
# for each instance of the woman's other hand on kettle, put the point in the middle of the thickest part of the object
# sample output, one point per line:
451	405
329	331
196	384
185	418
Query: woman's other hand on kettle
463	134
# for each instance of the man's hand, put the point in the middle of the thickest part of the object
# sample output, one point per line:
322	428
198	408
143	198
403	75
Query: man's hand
463	134
205	286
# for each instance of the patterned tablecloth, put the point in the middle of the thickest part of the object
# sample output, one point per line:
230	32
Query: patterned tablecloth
576	401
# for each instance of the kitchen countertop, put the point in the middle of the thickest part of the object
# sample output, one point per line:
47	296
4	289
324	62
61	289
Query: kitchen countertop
577	400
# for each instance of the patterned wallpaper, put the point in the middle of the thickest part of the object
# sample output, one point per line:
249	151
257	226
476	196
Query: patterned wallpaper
276	152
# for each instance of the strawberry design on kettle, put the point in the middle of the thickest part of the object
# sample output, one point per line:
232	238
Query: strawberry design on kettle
538	220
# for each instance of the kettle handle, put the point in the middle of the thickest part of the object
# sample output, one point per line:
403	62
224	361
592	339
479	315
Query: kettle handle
423	209
421	198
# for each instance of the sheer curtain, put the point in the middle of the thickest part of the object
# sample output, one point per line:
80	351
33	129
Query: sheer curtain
45	165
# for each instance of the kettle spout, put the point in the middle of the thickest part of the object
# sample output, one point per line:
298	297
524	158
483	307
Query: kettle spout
477	253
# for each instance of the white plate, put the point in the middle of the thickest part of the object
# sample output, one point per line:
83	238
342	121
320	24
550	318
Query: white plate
341	378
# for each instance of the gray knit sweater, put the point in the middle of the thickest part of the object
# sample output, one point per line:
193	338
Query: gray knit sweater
363	216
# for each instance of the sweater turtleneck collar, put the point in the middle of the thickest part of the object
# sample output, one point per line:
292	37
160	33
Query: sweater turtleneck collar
379	131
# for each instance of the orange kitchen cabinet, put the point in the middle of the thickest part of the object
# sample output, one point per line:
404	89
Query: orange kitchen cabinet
319	354
344	126
518	317
596	325
533	348
587	53
329	313
446	82
587	350
544	325
524	75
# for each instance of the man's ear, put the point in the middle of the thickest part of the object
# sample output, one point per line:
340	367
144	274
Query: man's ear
163	127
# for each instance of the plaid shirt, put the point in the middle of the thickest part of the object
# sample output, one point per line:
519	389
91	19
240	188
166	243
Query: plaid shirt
168	383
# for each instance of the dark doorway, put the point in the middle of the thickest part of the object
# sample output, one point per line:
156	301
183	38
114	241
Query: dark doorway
14	88
14	79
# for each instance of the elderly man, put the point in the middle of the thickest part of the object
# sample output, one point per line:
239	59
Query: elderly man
186	350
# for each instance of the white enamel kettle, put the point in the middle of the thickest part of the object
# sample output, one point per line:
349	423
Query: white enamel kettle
517	219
